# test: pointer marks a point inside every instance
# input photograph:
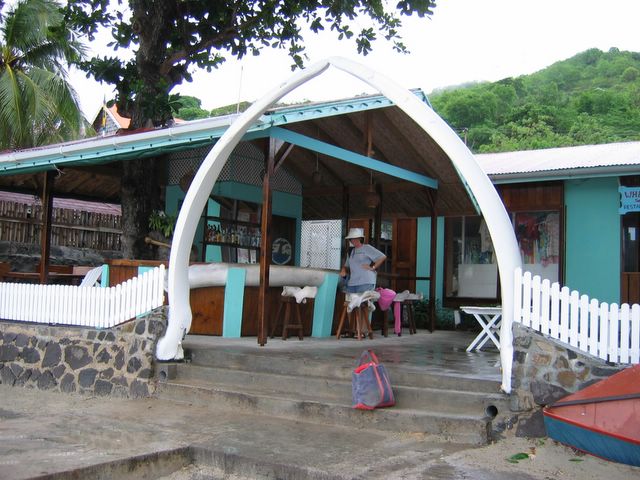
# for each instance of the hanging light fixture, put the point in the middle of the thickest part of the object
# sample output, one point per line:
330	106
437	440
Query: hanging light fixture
372	199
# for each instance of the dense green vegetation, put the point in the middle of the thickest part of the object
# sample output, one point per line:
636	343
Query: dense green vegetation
591	98
190	108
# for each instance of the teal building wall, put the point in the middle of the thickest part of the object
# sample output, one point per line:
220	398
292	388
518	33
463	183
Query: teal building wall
423	257
592	241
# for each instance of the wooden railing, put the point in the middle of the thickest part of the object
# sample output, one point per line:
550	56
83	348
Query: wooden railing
607	331
94	307
22	223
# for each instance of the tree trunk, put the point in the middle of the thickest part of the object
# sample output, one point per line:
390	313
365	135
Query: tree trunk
140	195
141	178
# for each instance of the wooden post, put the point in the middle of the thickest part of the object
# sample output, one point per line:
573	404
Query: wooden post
432	260
45	234
377	230
368	134
368	151
345	222
265	243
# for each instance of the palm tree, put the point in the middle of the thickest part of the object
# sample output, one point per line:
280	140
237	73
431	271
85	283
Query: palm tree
38	106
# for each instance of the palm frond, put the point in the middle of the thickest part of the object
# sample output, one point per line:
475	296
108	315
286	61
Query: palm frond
37	104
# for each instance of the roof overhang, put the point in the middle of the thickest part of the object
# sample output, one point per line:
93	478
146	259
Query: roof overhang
329	135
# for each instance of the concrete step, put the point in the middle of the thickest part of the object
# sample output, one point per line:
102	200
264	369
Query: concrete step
449	427
315	386
332	389
335	368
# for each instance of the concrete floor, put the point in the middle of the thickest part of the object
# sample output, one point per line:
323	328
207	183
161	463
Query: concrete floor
441	351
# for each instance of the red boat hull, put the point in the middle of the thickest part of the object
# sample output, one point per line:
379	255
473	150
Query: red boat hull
602	419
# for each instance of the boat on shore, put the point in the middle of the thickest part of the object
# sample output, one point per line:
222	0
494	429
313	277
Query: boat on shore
602	419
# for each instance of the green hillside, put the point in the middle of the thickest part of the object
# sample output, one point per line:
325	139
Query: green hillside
591	98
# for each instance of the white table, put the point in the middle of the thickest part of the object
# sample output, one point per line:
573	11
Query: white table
489	319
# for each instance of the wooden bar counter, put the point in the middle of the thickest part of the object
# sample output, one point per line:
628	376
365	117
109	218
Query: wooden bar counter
208	302
207	307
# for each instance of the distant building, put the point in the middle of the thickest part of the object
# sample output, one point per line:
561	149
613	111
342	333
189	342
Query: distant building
108	121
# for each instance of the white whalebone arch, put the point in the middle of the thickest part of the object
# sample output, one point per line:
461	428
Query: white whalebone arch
502	234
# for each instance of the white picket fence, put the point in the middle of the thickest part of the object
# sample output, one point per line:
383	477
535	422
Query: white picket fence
610	332
83	306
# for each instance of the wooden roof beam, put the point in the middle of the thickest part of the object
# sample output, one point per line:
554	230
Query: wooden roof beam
361	189
352	157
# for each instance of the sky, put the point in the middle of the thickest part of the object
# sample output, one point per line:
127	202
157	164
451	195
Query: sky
464	41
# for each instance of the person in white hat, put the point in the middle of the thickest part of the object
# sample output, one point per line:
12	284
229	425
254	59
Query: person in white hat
363	261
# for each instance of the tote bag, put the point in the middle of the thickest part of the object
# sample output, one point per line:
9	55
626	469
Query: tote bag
370	385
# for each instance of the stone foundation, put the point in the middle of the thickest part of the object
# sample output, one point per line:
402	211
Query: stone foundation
544	371
117	361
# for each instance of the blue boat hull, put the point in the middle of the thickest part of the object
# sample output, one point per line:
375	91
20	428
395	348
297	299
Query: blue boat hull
595	443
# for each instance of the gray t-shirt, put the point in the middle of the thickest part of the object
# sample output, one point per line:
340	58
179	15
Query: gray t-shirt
363	255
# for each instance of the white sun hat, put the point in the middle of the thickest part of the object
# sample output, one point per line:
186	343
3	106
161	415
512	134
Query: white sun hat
355	233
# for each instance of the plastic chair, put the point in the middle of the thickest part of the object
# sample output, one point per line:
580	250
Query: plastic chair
92	277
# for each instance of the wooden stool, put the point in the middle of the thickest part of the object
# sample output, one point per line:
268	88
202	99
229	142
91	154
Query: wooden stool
405	305
408	306
385	321
356	328
288	303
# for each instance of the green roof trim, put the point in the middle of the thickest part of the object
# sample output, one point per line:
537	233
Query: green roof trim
299	113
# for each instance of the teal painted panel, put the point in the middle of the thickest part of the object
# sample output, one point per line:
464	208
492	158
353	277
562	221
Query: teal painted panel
173	195
104	277
233	303
173	198
324	305
423	257
285	204
592	246
213	252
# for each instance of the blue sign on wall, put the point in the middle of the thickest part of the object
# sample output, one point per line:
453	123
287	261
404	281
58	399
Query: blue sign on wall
629	199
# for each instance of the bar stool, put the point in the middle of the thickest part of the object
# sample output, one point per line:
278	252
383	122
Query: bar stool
408	306
288	303
291	298
405	306
405	302
358	324
385	322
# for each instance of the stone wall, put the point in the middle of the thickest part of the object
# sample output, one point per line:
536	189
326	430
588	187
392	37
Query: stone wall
117	361
25	257
544	371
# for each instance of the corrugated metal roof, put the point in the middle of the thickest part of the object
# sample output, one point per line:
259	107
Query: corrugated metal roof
591	160
68	203
117	147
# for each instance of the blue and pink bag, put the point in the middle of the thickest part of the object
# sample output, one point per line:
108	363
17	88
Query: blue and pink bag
370	385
